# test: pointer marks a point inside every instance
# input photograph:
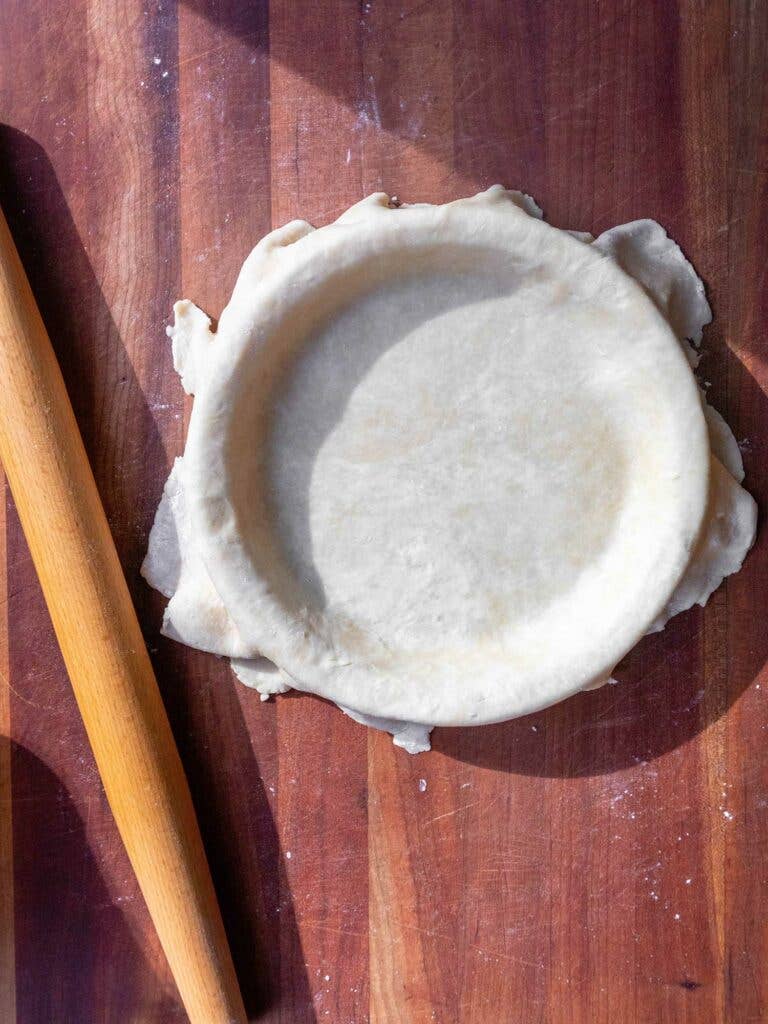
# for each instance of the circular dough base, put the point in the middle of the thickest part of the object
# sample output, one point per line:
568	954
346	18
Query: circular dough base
425	480
449	464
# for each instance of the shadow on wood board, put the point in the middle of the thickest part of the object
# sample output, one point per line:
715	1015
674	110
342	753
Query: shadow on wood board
238	831
62	905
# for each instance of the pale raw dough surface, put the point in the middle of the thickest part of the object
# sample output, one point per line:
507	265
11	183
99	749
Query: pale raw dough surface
429	445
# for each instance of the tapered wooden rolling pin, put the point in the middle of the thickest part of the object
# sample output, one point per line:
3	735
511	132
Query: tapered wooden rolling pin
98	632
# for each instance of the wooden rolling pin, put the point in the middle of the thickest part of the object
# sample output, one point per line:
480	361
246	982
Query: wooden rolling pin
111	674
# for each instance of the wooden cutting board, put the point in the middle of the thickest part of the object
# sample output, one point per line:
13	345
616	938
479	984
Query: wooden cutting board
600	863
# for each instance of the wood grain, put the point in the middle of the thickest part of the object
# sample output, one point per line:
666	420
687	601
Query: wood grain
604	861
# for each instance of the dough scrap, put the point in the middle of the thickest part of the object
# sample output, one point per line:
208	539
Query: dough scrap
261	675
179	565
643	249
729	532
195	614
411	736
190	336
722	442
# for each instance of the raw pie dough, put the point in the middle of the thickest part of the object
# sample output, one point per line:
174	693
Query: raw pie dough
446	464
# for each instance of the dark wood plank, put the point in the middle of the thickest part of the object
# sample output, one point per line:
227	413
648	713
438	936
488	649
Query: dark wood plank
82	157
602	861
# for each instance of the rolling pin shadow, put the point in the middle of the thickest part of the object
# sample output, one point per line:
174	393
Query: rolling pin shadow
96	626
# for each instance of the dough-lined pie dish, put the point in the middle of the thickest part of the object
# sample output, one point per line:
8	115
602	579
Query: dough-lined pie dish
446	465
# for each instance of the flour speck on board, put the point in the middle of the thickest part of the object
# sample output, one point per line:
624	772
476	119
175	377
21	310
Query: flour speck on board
368	113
